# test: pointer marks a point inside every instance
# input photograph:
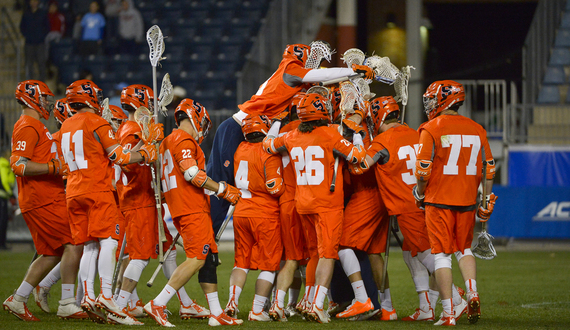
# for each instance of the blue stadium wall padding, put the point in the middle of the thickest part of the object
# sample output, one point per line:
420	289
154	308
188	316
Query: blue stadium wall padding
539	166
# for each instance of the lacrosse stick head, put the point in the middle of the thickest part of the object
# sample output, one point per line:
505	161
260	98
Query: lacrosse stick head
401	85
299	52
143	117
197	115
35	94
353	56
363	88
313	107
255	126
136	96
61	110
382	108
155	41
84	93
385	71
349	98
325	92
320	50
484	248
441	95
165	96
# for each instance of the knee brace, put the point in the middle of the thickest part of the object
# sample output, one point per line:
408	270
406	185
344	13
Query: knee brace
207	273
349	261
267	276
135	269
442	260
245	270
459	255
427	259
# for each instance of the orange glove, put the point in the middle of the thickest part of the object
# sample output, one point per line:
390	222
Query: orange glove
367	71
229	192
352	127
483	214
149	153
156	133
57	166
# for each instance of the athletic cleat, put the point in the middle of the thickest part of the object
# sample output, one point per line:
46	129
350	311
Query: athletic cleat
158	313
389	315
277	313
231	308
445	319
19	309
473	307
300	307
318	315
356	308
68	310
193	311
333	308
223	319
460	309
370	315
128	320
260	317
95	314
41	298
110	306
137	311
460	291
420	315
291	310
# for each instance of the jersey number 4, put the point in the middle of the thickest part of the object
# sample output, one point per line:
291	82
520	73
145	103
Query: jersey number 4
75	158
310	170
242	182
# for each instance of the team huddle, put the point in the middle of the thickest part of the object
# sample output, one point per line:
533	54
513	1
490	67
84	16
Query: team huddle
311	174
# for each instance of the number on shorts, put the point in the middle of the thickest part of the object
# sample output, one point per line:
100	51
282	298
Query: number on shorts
75	158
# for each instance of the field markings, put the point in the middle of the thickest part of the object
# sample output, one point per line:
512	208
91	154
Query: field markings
549	304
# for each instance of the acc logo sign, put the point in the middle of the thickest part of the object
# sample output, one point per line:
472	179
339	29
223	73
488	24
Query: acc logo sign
555	211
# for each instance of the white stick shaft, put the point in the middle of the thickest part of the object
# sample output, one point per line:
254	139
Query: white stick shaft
225	223
341	79
161	263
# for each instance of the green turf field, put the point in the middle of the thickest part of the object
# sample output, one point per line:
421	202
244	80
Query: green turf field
519	290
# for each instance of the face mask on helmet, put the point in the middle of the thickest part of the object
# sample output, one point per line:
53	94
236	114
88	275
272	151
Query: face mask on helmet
380	108
313	107
85	92
137	96
326	93
36	95
441	95
198	116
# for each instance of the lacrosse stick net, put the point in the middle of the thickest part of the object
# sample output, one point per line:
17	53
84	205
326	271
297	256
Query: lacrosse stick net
143	118
165	97
326	93
353	56
385	71
107	114
155	41
349	97
319	50
401	88
363	88
484	248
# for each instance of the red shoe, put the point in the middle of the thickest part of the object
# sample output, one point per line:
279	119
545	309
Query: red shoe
356	308
223	319
19	309
473	308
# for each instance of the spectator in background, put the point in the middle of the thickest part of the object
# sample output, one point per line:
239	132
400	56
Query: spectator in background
92	25
35	27
112	8
131	28
8	179
56	25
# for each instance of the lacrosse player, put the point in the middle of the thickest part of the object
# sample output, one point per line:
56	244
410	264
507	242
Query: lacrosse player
41	195
257	232
448	171
311	147
88	144
299	66
184	180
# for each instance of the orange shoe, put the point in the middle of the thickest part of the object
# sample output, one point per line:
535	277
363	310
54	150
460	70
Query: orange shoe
19	309
95	314
137	311
318	315
473	308
193	311
158	313
277	313
356	308
223	319
231	308
388	315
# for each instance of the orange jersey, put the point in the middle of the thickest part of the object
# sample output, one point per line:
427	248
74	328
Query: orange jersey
253	167
84	138
457	143
31	139
134	184
275	94
395	175
367	180
182	197
289	178
312	155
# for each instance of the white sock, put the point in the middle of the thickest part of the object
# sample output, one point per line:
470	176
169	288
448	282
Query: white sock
52	277
214	304
183	297
106	265
258	303
67	291
359	291
280	297
88	268
123	298
25	290
446	303
235	292
164	296
386	300
320	294
79	291
433	296
456	297
471	286
293	297
134	298
312	292
424	301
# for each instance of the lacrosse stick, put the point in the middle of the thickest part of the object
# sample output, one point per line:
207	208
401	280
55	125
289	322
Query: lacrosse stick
385	71
387	254
161	263
401	88
225	223
484	248
319	50
165	96
155	41
119	262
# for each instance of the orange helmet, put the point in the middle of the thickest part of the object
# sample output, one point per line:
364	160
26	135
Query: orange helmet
198	116
255	124
118	113
295	101
85	92
138	96
313	107
441	95
336	97
298	51
36	95
380	107
62	111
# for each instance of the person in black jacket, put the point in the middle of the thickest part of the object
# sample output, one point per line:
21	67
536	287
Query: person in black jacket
34	27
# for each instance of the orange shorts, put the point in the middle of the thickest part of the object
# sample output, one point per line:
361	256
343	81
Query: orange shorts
292	234
328	227
257	243
413	227
49	226
198	234
362	218
94	216
142	233
449	231
310	235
